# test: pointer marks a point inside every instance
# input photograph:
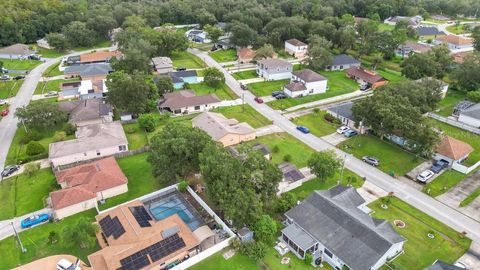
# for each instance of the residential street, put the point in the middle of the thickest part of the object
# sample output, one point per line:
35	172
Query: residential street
425	203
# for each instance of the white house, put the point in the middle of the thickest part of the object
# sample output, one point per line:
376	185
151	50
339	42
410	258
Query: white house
296	48
274	69
342	62
471	116
305	82
185	102
455	43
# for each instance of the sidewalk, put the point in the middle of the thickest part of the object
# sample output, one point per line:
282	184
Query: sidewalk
252	80
46	79
266	130
6	229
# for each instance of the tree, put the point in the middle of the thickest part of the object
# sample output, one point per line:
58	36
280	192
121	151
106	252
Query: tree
376	60
213	77
286	201
253	250
31	168
57	41
476	37
41	115
34	148
147	122
175	151
266	51
102	25
418	66
136	58
78	34
324	164
467	75
346	38
265	229
82	234
133	93
242	35
214	33
319	55
474	96
164	85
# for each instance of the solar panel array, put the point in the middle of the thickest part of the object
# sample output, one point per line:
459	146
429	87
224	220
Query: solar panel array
295	175
141	215
156	251
112	226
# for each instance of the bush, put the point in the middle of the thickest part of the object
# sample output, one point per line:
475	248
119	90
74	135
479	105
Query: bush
287	158
474	96
34	148
60	136
182	186
308	258
130	130
32	168
31	135
254	250
316	110
275	149
286	201
147	122
69	129
329	117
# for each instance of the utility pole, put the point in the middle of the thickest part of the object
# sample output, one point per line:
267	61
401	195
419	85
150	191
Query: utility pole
343	168
18	238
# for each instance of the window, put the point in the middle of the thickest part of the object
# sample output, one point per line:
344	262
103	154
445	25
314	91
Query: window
301	252
98	153
328	253
122	147
197	108
91	91
177	111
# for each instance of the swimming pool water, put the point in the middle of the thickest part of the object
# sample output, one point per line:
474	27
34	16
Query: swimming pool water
174	205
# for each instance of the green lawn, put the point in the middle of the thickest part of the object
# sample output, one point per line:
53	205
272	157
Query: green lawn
246	74
392	76
470	198
421	251
52	71
443	183
37	245
446	105
385	27
316	123
9	88
456	29
47	53
21	194
136	137
51	86
244	113
287	145
140	179
338	84
100	44
17	64
224	55
266	88
392	157
186	60
223	93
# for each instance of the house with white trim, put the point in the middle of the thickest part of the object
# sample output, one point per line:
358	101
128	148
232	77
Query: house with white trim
274	69
305	82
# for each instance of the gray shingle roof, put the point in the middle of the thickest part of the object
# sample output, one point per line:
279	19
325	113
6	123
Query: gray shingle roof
344	109
84	110
344	59
309	75
440	265
184	74
89	69
429	31
299	236
473	111
334	219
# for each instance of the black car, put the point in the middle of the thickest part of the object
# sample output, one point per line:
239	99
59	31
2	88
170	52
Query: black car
4	78
281	96
243	86
276	93
33	57
181	69
371	160
9	170
19	77
439	165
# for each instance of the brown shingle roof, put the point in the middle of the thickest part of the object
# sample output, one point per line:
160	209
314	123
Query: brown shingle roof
70	196
453	148
99	56
296	42
367	76
245	53
457	40
185	98
308	75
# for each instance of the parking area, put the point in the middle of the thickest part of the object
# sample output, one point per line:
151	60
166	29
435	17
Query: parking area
420	168
334	138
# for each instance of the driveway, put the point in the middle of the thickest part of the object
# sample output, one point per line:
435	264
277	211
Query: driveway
44	163
266	130
334	138
6	229
425	203
471	259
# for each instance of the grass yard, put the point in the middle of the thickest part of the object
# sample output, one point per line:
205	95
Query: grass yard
9	88
392	76
446	105
457	29
246	74
136	137
383	27
421	251
22	194
287	145
338	84
52	71
261	89
47	53
186	60
392	157
224	55
244	114
140	179
36	242
443	183
45	87
316	123
18	64
223	93
104	43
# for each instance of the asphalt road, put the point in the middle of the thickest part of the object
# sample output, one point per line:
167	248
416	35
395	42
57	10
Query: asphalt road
425	203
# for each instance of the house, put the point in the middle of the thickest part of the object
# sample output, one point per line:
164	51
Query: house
86	89
290	172
198	36
414	21
330	225
296	48
262	148
88	71
179	78
441	265
342	62
92	142
43	43
223	130
409	47
305	82
84	185
245	55
132	238
16	51
470	115
429	81
99	57
452	150
365	77
87	112
343	112
454	42
274	69
162	65
429	32
245	234
440	17
224	43
185	102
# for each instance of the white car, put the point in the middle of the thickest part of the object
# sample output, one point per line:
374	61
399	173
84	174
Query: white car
425	176
460	265
3	102
65	264
342	129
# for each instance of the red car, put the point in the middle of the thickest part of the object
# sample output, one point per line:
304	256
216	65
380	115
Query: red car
258	100
5	112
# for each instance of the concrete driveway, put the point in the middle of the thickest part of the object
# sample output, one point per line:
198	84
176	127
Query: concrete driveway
334	138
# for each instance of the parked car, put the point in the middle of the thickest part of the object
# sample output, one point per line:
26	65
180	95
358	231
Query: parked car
33	57
65	264
243	86
439	165
281	96
3	70
350	133
4	112
460	265
303	129
181	69
342	129
364	87
19	77
9	170
3	102
276	93
214	48
4	78
425	176
371	160
258	100
34	220
51	94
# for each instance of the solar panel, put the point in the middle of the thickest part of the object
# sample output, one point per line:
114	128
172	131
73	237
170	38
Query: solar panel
141	215
111	227
136	263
